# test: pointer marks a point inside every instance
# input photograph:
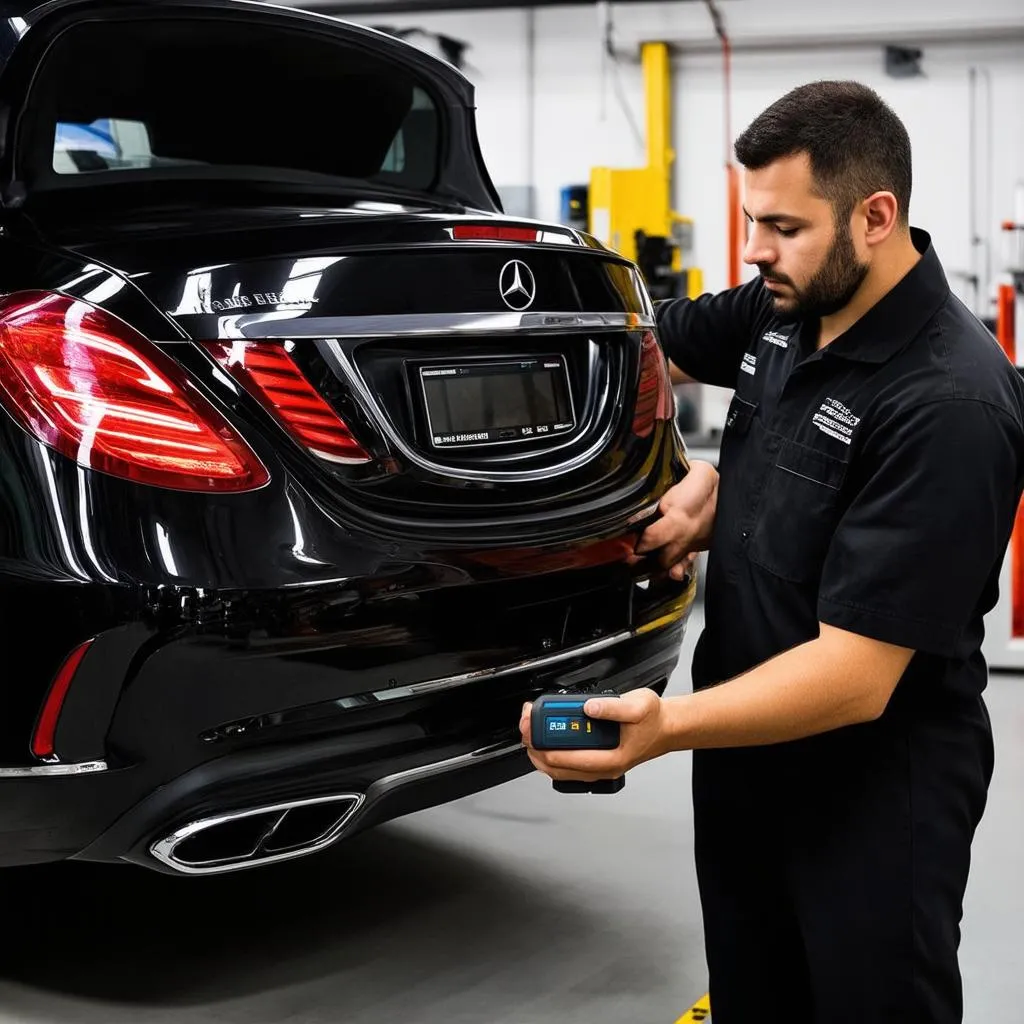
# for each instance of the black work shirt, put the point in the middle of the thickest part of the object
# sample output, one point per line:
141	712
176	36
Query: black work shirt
871	485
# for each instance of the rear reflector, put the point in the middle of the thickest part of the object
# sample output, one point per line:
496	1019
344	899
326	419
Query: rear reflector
271	376
46	727
654	400
85	383
495	232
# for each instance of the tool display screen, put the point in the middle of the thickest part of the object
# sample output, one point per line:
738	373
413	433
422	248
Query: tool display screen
569	725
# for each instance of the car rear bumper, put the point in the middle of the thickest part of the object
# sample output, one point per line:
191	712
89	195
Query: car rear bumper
377	755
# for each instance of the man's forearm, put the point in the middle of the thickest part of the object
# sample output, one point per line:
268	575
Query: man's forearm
835	680
678	376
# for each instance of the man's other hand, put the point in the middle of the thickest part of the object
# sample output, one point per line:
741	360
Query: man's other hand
687	519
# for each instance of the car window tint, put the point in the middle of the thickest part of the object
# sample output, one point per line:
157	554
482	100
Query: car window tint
171	95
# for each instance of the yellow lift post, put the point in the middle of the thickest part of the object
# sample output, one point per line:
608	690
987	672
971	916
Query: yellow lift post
631	209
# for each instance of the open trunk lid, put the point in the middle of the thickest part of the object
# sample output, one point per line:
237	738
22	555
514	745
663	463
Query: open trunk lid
422	358
97	93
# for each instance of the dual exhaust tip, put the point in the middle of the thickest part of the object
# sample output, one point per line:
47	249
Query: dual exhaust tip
258	836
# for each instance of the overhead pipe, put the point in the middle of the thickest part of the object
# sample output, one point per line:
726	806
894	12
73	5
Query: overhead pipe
799	42
350	7
734	218
973	277
531	110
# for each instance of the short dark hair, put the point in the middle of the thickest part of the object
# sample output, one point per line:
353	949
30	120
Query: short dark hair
856	143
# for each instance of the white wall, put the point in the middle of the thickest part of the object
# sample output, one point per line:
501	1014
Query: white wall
935	110
578	120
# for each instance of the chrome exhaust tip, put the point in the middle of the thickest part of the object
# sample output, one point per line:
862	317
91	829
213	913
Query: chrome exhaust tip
257	836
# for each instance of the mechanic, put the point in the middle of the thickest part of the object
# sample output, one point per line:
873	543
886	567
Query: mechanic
871	467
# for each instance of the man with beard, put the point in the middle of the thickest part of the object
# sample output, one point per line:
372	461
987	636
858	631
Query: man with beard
871	467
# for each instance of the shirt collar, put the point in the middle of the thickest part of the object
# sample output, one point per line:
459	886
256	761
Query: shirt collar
897	318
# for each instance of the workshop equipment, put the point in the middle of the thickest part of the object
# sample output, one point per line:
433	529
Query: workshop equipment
1004	625
557	722
1010	286
631	209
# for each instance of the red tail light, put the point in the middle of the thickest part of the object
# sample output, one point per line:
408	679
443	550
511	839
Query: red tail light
495	232
85	383
270	375
654	400
42	738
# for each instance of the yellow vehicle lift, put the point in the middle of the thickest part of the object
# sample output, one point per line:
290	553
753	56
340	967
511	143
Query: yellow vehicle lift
630	210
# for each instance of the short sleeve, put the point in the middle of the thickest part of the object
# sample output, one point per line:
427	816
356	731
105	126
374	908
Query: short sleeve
925	534
706	337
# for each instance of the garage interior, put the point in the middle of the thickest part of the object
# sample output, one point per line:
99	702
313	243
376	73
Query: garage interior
520	905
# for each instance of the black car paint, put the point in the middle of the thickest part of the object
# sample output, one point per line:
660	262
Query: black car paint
268	645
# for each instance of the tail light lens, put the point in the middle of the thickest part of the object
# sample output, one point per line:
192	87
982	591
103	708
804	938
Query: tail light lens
84	382
46	727
271	376
654	399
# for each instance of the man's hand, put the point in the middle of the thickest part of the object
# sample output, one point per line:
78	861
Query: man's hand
836	680
687	520
643	737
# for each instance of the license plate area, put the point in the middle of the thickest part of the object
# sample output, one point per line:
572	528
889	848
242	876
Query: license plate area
484	402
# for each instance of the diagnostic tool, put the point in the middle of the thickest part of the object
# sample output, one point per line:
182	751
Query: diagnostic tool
557	722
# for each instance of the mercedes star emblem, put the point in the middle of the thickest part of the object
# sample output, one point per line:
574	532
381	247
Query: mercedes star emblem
517	285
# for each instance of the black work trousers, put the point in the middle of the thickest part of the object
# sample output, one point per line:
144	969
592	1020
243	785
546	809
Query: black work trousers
832	873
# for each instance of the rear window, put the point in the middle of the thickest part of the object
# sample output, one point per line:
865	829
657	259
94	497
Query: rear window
196	96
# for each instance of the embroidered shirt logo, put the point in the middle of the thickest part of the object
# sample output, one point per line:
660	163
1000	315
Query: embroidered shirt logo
749	364
834	419
775	338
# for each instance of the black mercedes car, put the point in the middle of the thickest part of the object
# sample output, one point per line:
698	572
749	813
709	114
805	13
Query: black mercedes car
313	465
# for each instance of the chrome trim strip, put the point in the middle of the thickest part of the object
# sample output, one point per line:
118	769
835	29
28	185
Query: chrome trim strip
415	324
526	665
497	672
45	770
163	849
335	354
373	697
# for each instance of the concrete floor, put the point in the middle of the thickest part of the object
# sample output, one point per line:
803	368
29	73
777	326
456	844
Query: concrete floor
518	906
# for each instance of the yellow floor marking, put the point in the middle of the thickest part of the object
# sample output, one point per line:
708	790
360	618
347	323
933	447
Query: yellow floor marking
701	1010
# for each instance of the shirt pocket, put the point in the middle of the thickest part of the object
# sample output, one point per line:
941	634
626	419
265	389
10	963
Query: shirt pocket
735	436
798	513
740	413
738	419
